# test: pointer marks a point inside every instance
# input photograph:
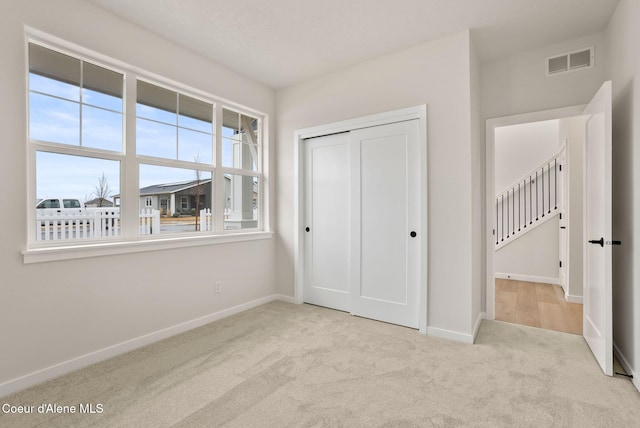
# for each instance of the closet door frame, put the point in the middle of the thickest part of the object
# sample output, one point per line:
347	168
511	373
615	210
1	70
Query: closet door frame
411	113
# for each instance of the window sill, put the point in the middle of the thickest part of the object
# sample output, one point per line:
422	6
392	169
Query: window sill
48	254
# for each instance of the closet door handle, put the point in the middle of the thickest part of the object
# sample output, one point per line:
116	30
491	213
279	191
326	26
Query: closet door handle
307	229
413	234
597	241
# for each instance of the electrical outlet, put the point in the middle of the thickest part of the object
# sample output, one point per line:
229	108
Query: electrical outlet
218	287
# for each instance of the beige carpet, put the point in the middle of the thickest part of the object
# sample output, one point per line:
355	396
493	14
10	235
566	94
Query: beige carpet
284	365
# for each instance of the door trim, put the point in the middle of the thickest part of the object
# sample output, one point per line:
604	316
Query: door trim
491	125
411	113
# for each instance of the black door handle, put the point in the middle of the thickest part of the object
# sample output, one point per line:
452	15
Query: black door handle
599	241
413	234
307	228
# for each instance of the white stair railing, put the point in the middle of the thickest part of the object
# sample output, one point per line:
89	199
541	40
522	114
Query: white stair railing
530	200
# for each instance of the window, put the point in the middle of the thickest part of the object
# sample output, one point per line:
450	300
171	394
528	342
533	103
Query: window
198	161
74	102
241	149
175	142
75	129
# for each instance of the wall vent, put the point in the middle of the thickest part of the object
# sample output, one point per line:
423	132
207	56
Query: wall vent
570	61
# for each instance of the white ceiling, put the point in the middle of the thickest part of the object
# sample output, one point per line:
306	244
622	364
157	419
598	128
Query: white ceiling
283	42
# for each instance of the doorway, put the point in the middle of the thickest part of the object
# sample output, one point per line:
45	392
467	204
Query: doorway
596	216
559	265
361	220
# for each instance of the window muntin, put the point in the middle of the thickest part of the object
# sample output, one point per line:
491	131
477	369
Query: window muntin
76	117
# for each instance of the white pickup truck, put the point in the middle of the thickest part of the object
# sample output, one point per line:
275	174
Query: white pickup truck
69	205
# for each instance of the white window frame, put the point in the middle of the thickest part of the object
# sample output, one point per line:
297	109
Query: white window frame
130	240
222	170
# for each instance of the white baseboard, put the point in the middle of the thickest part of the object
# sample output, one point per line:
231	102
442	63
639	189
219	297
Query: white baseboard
528	278
39	376
574	299
476	327
450	335
626	366
282	297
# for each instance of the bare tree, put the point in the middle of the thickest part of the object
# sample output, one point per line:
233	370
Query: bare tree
102	190
197	191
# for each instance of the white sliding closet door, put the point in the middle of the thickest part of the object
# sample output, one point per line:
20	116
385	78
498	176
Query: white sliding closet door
385	209
326	221
361	222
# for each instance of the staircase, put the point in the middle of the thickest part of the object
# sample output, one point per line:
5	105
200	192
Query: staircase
530	201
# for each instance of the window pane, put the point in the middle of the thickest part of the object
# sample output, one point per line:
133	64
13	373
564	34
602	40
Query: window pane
231	124
238	155
75	177
102	86
157	103
155	139
54	87
155	114
178	195
195	124
54	120
101	129
240	143
101	100
54	66
195	114
73	194
195	146
241	202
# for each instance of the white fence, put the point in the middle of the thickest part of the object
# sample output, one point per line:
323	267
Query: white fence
206	219
89	223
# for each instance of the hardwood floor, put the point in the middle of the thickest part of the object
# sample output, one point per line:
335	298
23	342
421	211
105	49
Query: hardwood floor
537	305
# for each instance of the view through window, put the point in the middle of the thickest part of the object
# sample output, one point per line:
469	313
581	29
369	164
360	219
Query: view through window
76	133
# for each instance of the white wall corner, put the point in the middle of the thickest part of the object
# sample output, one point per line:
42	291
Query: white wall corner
284	298
476	327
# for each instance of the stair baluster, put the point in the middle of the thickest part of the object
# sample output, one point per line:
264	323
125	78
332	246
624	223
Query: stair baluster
546	201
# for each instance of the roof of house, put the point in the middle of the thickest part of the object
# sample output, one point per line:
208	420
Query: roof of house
168	188
100	202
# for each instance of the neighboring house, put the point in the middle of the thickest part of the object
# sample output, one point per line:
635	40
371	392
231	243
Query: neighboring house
180	197
99	202
172	198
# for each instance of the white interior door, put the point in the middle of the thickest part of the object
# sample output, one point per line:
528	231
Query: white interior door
385	210
326	243
597	308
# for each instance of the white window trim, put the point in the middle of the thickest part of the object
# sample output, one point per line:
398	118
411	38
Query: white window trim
131	241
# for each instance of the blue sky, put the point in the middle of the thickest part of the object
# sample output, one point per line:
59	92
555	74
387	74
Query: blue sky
55	112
